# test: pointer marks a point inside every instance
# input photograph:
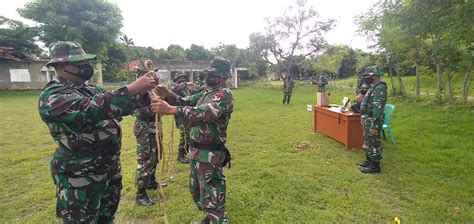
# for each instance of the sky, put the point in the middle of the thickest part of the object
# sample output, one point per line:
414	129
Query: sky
159	23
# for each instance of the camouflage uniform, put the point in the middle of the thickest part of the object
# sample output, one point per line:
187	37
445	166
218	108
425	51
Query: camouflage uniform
373	118
372	109
288	85
183	91
145	133
206	115
84	122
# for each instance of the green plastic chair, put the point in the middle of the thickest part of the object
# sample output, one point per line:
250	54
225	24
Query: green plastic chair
386	126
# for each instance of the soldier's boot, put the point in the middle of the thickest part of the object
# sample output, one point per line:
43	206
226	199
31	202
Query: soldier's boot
143	199
204	221
364	163
182	157
373	167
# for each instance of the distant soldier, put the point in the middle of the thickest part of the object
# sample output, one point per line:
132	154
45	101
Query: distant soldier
84	123
372	109
322	83
198	85
288	85
207	115
182	89
147	153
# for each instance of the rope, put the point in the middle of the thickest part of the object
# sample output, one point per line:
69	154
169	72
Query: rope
159	144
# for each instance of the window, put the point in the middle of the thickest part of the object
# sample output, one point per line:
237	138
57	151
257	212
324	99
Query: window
19	75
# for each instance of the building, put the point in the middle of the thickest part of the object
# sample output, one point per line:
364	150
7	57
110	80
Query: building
168	68
18	71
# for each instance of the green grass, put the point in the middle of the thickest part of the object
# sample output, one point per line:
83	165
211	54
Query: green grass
427	177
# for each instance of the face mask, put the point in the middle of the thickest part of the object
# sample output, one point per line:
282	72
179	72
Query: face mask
86	71
212	80
368	80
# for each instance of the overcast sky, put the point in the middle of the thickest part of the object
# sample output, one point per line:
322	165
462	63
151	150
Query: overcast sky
158	23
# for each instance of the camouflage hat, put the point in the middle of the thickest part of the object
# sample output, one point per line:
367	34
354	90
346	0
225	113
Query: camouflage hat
146	65
374	70
64	51
220	66
179	75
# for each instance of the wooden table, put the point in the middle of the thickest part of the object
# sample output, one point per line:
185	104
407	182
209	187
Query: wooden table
343	127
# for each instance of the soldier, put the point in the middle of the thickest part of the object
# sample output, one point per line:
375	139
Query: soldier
372	109
181	89
198	85
84	123
145	133
206	115
361	89
288	85
322	83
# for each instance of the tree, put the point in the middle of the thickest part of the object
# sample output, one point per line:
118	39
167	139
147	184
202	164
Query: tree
195	52
297	32
93	23
19	36
176	52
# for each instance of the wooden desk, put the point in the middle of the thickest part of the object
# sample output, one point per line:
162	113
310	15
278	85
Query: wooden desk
343	127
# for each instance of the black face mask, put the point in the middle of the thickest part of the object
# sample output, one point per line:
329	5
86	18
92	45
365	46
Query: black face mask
212	80
368	80
86	71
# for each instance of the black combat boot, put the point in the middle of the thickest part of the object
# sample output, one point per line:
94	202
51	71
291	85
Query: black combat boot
364	163
204	221
143	199
373	167
182	158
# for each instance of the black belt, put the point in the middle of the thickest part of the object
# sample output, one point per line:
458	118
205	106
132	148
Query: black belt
209	147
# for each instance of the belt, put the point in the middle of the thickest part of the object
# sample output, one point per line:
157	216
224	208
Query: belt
209	147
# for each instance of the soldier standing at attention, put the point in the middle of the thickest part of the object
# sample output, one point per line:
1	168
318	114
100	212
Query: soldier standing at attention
372	109
83	121
288	85
145	133
181	89
206	115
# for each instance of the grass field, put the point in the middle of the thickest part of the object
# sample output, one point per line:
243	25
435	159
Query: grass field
427	177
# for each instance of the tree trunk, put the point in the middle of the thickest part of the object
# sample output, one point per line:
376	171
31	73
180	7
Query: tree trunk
450	87
97	77
440	78
417	74
394	90
400	82
465	88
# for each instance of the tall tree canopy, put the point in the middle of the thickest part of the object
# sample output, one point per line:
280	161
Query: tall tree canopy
297	32
19	36
93	23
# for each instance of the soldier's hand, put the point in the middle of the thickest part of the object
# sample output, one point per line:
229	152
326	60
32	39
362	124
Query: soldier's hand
373	132
142	85
163	91
162	107
189	83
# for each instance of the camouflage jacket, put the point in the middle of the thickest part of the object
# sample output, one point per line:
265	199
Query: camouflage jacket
288	86
145	122
373	105
205	115
83	121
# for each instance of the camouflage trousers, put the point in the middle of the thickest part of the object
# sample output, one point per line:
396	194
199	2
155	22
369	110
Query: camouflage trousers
183	142
372	144
147	159
207	184
93	198
286	98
